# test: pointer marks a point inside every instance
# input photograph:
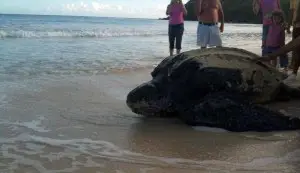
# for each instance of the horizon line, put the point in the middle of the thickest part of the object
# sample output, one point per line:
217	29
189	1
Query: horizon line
69	15
92	16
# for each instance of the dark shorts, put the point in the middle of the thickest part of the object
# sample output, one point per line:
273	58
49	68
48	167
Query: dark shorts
283	60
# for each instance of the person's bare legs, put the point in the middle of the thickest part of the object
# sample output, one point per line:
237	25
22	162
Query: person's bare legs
296	53
171	52
296	62
295	58
292	62
172	35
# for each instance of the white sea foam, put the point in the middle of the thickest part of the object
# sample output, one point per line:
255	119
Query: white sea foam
101	33
89	150
34	125
78	34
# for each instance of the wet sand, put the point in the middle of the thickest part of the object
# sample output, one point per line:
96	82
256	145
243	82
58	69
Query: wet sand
82	125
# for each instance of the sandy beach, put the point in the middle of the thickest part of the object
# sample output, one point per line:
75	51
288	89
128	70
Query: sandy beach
62	103
93	134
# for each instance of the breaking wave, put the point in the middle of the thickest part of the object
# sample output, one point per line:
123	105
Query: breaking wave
78	33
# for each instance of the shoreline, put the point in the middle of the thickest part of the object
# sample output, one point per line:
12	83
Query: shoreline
229	22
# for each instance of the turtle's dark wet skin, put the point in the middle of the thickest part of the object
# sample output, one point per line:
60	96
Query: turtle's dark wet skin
216	87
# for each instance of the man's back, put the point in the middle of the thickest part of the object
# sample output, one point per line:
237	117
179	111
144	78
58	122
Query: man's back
209	10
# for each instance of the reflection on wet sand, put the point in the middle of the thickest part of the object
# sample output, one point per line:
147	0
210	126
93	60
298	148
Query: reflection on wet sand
215	149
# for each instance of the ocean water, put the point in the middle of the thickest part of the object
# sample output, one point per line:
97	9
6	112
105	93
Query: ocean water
63	84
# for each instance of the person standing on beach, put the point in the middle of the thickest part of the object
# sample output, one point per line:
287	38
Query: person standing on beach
276	38
266	7
176	10
293	45
209	14
294	20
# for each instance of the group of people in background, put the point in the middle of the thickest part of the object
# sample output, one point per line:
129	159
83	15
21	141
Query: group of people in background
274	25
273	32
209	13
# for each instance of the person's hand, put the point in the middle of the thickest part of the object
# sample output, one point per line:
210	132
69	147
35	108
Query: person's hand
256	8
264	58
255	11
221	27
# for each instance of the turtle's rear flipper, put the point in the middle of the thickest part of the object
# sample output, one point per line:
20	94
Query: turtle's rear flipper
236	113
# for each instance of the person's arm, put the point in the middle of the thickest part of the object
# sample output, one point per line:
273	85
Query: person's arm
291	46
184	9
282	37
291	15
198	7
255	6
297	17
221	16
168	10
278	4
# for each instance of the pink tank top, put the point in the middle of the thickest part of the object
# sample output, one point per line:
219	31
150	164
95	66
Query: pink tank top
176	14
276	36
267	7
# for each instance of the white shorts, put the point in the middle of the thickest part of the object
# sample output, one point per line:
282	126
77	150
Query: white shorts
208	35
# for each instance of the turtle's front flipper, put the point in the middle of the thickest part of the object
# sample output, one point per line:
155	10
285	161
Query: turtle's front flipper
236	113
287	93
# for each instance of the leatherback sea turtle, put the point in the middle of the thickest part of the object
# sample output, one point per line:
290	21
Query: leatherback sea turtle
216	87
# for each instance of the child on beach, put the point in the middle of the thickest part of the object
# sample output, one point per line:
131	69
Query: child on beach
276	38
176	10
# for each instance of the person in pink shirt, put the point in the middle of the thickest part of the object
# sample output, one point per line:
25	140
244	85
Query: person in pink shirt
266	7
176	10
276	38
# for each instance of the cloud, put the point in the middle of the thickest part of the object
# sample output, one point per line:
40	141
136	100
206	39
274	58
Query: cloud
76	7
94	7
103	9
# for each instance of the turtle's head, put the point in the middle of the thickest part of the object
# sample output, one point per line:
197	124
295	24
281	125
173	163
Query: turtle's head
150	99
162	96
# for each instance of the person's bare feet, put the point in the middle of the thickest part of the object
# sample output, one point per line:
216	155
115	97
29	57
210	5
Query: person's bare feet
171	52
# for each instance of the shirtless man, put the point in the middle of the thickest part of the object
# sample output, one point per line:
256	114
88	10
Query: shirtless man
209	13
